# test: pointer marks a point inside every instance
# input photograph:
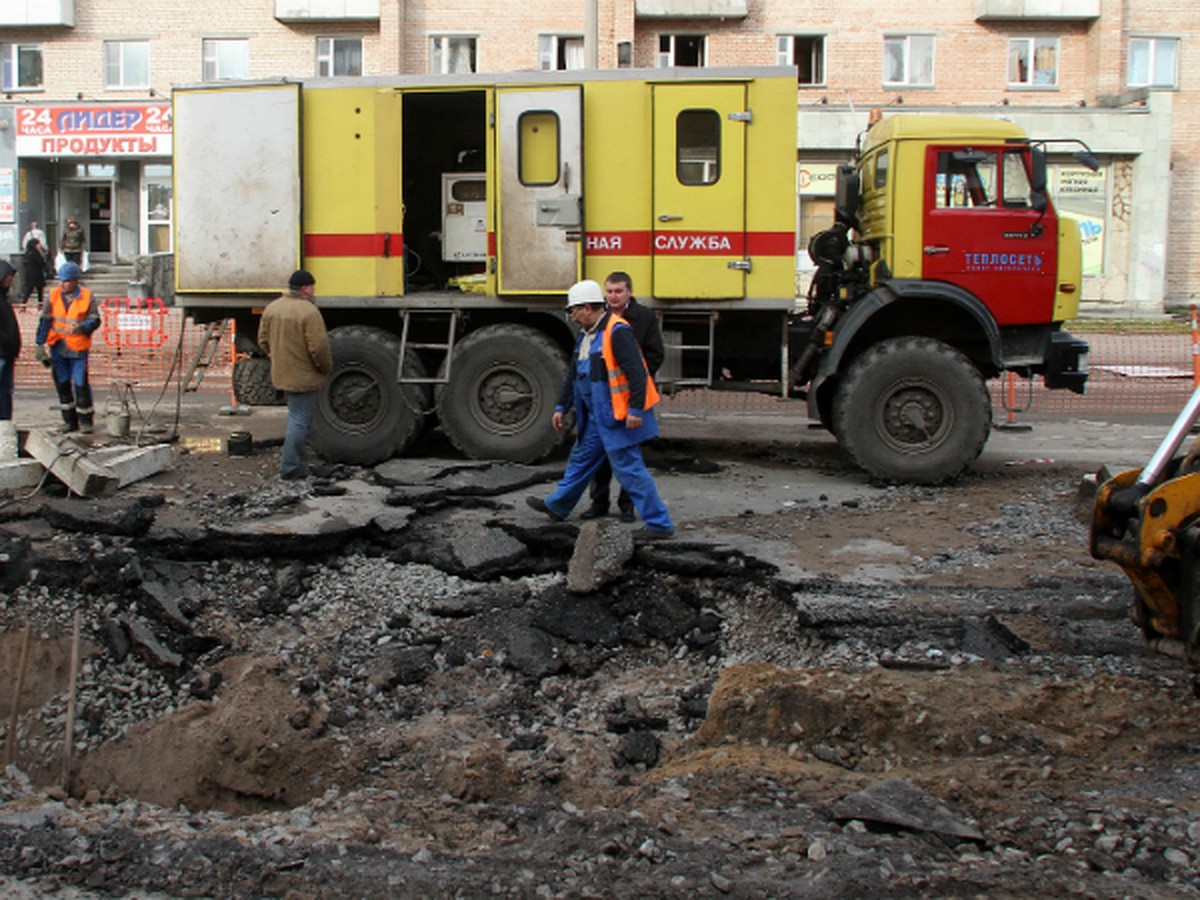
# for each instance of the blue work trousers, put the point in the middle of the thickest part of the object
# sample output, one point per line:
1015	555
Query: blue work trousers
301	407
629	468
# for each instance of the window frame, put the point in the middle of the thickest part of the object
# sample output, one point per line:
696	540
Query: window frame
787	52
122	64
328	57
552	49
907	40
440	44
10	66
667	58
1031	42
1153	43
214	59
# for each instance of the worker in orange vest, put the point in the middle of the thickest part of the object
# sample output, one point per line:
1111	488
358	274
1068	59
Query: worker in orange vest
69	317
613	396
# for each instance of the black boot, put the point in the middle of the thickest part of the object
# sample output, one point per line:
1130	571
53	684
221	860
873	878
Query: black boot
66	405
83	407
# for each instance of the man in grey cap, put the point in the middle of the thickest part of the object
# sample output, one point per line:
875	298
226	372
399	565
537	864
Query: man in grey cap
292	333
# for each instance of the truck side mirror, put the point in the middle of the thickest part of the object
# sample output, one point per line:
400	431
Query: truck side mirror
846	194
1037	173
1087	159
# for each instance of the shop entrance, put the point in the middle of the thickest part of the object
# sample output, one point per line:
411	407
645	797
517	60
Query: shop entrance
91	203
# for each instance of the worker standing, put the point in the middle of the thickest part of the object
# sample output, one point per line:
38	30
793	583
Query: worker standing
69	318
613	396
292	333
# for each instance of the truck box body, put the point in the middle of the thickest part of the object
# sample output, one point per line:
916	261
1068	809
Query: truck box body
671	178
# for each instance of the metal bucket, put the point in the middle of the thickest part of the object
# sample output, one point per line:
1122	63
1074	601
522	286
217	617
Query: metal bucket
118	424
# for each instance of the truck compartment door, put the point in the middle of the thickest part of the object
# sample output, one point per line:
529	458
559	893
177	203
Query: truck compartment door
237	188
699	228
539	216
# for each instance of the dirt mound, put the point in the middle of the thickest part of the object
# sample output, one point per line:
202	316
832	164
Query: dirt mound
257	747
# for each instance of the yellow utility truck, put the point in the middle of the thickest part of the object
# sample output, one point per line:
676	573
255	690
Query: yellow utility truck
444	218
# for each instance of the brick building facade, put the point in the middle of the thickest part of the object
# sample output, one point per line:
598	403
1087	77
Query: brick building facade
1122	76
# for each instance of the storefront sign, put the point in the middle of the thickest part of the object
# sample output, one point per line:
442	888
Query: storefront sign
817	179
8	188
94	130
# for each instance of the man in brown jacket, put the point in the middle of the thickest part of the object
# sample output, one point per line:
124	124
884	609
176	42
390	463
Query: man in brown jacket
292	333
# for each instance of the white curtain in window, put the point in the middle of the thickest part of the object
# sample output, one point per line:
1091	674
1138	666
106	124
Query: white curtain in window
573	53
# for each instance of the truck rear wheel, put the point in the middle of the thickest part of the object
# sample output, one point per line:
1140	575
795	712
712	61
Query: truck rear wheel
252	382
914	410
364	415
499	399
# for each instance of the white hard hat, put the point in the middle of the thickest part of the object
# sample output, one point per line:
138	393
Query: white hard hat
583	292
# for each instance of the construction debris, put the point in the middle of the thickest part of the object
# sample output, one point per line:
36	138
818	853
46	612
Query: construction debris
87	471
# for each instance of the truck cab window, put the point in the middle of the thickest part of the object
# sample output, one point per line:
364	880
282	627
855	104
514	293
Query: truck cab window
1016	185
698	146
966	179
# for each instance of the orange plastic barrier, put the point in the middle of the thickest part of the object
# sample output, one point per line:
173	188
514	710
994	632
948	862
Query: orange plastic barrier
141	343
133	322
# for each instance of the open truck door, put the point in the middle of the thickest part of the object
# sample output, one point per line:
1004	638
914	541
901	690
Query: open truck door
249	240
539	165
699	242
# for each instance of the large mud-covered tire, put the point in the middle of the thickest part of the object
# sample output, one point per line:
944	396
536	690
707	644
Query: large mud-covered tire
913	410
364	415
499	400
252	382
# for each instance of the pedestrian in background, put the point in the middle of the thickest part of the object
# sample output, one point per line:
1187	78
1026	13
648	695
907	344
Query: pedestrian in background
613	397
69	318
10	342
37	271
35	231
292	333
618	295
74	242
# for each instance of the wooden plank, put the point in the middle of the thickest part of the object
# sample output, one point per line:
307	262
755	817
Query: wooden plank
67	460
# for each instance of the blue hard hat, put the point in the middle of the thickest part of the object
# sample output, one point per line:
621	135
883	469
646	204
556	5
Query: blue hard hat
69	272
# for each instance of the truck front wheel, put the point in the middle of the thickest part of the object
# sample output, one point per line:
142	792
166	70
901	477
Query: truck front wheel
364	415
913	410
499	399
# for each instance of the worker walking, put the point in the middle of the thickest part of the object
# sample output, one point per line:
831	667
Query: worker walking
292	333
613	396
69	318
618	295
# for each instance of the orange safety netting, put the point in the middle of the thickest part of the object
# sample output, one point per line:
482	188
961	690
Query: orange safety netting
140	343
1136	367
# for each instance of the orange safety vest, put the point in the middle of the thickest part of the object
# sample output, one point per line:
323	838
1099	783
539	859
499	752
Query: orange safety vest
72	315
618	384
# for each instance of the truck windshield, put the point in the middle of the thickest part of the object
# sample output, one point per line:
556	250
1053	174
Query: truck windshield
982	178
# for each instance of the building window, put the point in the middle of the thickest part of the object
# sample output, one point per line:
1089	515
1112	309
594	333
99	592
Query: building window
226	59
339	56
908	60
806	53
156	207
1033	62
126	64
1154	62
556	52
451	54
682	50
21	65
